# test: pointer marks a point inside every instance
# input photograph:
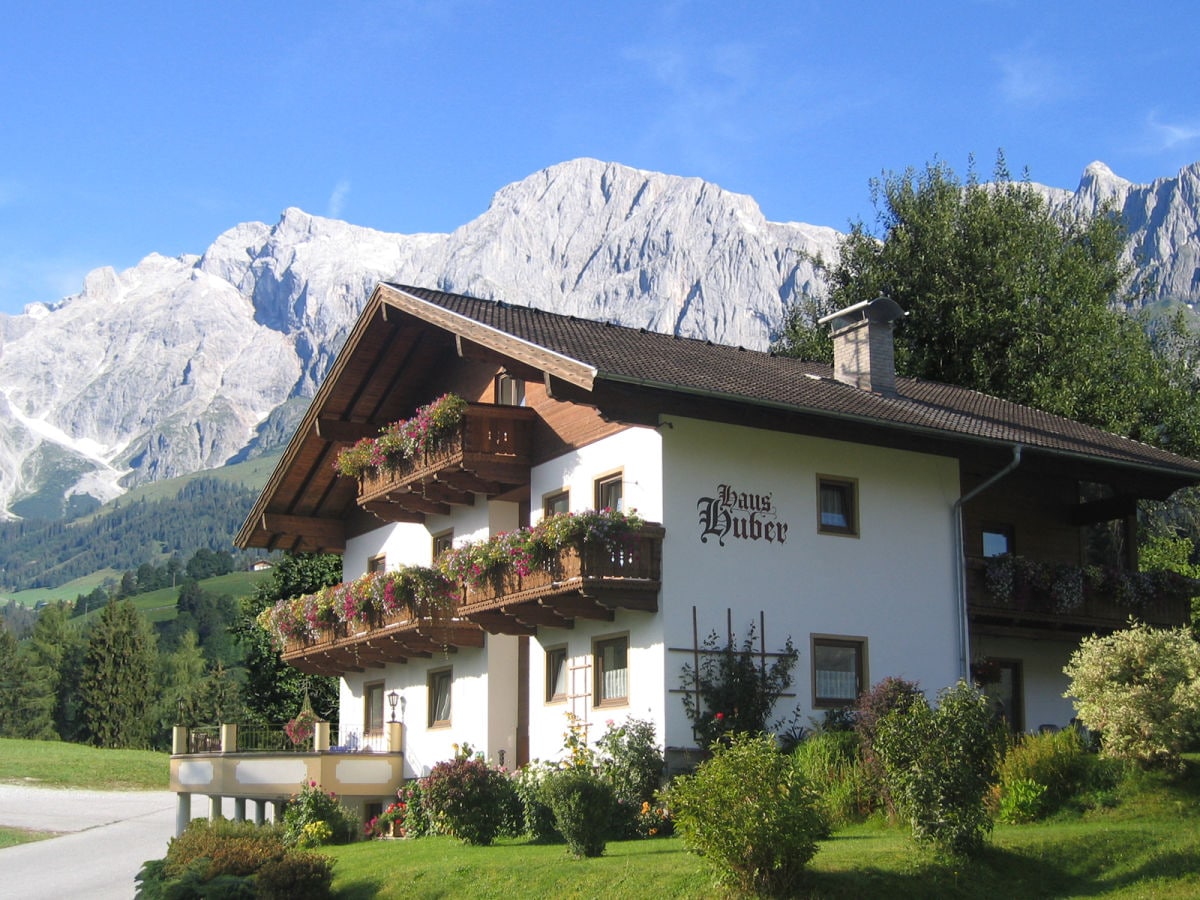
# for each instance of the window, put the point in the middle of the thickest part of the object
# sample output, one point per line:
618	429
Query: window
611	667
442	542
556	503
997	540
839	670
377	563
837	505
373	708
556	674
439	697
610	493
510	391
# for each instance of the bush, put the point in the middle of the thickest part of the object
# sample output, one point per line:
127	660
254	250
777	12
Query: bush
299	874
1140	688
230	848
886	695
750	813
537	817
632	763
1056	761
832	765
939	765
416	816
315	817
583	805
468	799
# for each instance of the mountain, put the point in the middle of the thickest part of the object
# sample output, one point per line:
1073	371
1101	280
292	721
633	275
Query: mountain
182	364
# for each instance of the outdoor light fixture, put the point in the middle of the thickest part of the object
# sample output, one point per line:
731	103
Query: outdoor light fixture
393	699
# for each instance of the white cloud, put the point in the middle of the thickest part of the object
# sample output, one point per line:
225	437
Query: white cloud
1170	135
337	200
1028	78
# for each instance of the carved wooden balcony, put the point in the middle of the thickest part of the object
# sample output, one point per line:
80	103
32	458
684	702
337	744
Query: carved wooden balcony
356	646
489	454
590	582
1076	604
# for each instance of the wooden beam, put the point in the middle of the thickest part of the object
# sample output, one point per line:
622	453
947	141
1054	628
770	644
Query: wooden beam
343	432
329	534
499	623
1103	510
467	481
578	607
443	492
392	512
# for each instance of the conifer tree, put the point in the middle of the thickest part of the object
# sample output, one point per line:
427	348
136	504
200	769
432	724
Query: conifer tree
117	687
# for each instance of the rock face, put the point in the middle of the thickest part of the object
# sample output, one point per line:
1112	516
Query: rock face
181	364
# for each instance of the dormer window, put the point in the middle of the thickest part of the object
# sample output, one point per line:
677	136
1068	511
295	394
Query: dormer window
510	391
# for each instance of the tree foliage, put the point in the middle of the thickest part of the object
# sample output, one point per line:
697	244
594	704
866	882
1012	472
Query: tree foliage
1006	297
116	688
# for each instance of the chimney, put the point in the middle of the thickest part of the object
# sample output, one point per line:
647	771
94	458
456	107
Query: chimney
863	349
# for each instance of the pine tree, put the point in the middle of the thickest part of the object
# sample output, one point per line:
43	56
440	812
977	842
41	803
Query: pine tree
117	687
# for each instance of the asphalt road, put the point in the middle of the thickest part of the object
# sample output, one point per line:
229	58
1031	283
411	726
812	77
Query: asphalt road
104	837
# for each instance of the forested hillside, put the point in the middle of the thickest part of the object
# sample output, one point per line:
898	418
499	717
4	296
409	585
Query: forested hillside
205	513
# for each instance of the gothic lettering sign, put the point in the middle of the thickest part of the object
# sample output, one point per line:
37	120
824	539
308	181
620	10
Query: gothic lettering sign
740	515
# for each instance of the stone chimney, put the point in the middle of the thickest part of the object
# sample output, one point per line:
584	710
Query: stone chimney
863	349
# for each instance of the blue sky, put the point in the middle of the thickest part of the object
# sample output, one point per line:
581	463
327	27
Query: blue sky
130	128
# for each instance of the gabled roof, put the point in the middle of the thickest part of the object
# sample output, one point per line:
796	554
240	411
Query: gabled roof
389	363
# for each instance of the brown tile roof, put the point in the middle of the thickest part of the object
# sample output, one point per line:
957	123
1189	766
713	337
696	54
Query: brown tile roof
636	356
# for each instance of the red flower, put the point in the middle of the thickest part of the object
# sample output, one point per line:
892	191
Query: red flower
720	717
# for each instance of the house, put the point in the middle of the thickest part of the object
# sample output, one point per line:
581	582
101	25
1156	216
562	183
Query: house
887	526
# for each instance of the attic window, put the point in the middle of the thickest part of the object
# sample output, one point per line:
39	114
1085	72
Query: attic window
510	391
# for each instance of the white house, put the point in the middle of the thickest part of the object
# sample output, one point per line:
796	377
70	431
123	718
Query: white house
850	510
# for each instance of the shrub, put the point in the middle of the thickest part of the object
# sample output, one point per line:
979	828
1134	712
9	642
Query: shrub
749	811
230	848
1022	800
468	799
938	766
1056	761
886	695
298	874
537	816
583	805
416	816
632	763
832	765
1140	688
315	817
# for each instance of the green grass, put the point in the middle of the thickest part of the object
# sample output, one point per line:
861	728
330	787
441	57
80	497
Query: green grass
61	765
1148	846
10	837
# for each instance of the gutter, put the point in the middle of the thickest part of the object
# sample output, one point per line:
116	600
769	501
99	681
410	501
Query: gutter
960	563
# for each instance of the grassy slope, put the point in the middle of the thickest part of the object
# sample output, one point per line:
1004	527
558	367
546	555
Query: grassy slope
55	764
1149	846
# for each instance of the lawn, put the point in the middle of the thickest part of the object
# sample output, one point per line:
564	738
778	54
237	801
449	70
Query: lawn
1148	846
58	764
11	836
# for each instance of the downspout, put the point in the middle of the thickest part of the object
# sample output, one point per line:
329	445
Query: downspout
960	563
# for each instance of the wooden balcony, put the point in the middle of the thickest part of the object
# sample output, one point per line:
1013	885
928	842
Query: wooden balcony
490	454
1034	608
591	582
355	647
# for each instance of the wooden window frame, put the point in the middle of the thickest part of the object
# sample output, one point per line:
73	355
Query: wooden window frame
616	476
559	652
377	563
850	487
507	385
549	498
369	688
855	642
432	680
599	700
441	542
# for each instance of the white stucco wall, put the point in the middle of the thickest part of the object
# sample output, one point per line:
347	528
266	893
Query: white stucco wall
1042	677
892	584
635	452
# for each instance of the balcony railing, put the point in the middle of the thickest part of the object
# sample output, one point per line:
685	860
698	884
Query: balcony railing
352	646
581	582
489	454
1022	593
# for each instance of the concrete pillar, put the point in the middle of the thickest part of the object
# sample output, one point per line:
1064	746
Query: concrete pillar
395	736
260	809
229	738
183	812
321	737
239	809
179	740
214	807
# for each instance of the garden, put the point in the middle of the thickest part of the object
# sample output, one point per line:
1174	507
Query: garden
898	796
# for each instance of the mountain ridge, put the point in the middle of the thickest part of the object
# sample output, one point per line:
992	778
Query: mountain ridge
235	339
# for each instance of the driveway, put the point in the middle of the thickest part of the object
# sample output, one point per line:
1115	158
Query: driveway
104	839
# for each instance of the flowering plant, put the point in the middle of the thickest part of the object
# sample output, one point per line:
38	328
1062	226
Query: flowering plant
405	440
301	728
382	824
